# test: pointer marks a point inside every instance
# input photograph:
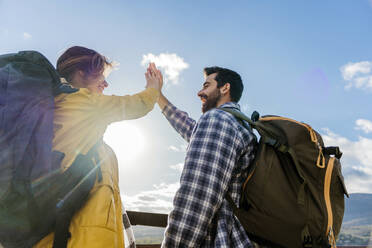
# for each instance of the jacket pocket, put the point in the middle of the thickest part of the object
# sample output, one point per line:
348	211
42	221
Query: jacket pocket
99	210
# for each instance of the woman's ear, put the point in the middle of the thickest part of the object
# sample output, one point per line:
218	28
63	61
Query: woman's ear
81	73
78	79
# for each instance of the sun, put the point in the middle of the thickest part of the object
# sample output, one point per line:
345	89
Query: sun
126	140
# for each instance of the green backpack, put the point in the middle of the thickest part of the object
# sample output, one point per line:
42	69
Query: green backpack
294	193
36	196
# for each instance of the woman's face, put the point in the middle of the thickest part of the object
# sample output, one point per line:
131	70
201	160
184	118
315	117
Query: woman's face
93	83
96	84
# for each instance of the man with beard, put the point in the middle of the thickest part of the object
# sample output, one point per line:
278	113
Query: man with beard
217	160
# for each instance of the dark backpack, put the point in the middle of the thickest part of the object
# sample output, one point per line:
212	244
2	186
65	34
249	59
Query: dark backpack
36	198
294	193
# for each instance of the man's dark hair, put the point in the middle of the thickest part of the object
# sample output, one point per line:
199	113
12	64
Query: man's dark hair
227	76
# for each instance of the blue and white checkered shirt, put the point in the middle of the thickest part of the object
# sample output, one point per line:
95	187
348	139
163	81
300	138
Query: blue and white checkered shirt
218	156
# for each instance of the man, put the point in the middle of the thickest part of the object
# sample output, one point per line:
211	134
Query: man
218	156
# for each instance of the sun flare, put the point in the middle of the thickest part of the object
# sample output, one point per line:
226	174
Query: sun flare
126	140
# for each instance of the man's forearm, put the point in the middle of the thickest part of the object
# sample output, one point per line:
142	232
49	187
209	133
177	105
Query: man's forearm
162	101
179	120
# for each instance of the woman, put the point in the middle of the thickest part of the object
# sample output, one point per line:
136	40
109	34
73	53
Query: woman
80	121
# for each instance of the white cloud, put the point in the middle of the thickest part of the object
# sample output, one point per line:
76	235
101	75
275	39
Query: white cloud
181	148
170	63
358	75
27	36
356	160
364	125
158	200
173	148
350	70
178	167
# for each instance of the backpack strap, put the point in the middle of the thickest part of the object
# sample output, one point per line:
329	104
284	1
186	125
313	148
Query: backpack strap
242	117
75	198
239	115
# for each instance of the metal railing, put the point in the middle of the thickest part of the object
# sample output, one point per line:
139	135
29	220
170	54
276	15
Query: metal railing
147	219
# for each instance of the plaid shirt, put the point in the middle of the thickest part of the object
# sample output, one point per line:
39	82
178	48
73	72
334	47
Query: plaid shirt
218	156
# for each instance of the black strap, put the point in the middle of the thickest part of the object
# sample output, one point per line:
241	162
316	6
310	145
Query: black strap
232	203
275	143
65	211
332	150
61	233
92	153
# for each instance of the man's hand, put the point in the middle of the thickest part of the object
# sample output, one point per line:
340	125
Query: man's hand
154	78
152	70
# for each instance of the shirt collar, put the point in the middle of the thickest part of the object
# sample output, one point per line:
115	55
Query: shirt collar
230	105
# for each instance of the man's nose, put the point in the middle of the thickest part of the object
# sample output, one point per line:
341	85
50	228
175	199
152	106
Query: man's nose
105	84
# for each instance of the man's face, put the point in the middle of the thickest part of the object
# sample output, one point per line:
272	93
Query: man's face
209	94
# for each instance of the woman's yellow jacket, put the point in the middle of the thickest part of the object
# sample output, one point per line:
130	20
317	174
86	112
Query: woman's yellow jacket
80	121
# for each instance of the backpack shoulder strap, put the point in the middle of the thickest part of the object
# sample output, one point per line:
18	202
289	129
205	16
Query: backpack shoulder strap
75	198
239	115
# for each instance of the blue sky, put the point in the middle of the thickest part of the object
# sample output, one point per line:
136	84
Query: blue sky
308	60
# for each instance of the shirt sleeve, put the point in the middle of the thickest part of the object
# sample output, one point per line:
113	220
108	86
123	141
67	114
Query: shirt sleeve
117	108
180	121
210	161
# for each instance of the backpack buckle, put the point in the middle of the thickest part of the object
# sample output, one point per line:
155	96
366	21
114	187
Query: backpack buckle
332	150
276	144
307	240
272	142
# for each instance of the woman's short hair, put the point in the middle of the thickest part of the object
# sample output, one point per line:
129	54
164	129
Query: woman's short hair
83	59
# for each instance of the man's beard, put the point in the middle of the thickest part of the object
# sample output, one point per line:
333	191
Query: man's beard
211	100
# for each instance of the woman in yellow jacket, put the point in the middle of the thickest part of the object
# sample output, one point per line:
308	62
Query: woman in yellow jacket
80	121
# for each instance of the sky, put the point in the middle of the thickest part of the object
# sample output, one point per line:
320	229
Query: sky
307	60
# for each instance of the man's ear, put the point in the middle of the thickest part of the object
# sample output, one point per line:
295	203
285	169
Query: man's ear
225	89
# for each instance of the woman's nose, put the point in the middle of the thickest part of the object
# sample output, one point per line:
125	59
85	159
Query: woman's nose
105	84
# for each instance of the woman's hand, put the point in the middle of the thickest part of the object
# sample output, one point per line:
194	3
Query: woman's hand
154	78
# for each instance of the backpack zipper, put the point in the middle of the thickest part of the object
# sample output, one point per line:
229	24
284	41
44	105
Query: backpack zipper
327	186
